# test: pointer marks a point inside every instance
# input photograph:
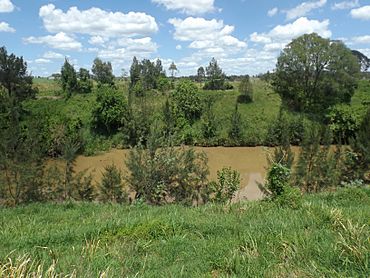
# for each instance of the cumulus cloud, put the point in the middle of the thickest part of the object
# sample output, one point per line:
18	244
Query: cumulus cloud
304	8
210	36
6	6
190	7
280	35
97	22
121	51
178	47
344	5
361	13
272	12
5	27
59	41
52	55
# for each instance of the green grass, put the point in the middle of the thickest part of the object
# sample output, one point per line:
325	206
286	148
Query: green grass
46	87
327	237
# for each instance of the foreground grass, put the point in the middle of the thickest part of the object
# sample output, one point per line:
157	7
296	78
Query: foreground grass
328	236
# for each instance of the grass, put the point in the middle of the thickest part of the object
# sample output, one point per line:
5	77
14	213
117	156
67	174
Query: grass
327	237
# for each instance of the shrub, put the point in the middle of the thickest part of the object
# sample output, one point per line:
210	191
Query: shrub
224	189
279	189
111	186
343	122
186	99
236	127
110	112
162	173
209	123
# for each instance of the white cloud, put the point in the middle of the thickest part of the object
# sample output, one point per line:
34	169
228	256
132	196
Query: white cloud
52	55
283	34
361	13
304	8
344	5
178	47
6	6
58	41
135	46
361	39
42	61
210	36
190	7
121	51
272	12
97	40
5	27
97	22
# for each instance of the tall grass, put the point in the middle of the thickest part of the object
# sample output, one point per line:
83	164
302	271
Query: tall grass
325	237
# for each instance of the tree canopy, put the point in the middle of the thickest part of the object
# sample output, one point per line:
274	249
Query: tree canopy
14	76
103	72
313	73
69	78
215	76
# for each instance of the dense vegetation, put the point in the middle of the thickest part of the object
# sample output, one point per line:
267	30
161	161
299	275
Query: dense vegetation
317	99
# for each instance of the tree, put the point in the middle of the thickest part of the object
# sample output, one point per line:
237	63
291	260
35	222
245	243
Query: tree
69	78
85	84
111	186
360	144
313	73
201	74
186	98
14	76
245	90
215	76
103	72
173	69
135	72
20	154
236	128
110	112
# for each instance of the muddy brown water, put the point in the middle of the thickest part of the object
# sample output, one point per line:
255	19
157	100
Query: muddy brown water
250	162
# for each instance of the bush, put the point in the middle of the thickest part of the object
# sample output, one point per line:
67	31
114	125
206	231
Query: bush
162	173
186	99
279	189
111	187
343	122
110	112
224	189
236	127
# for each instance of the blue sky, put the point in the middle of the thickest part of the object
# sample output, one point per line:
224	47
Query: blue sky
245	36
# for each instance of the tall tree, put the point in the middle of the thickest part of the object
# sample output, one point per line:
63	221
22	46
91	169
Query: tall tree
313	73
135	71
201	74
173	69
69	78
14	76
245	90
103	72
215	76
85	84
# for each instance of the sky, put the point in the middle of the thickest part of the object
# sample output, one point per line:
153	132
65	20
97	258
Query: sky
245	36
